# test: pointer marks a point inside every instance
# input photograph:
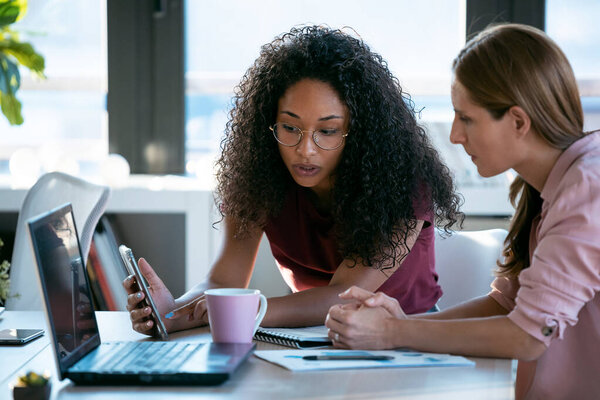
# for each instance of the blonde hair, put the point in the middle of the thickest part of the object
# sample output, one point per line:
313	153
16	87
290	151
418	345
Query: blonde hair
512	64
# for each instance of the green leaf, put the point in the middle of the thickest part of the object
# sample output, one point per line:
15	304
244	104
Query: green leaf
12	11
25	55
11	108
10	78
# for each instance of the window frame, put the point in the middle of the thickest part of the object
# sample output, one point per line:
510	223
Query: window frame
146	85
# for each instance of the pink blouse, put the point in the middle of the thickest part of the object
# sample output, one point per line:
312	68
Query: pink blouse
556	299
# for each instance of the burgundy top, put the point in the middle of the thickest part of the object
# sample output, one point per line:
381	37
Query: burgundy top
304	247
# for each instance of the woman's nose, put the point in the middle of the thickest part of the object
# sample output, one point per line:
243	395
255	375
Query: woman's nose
307	145
456	134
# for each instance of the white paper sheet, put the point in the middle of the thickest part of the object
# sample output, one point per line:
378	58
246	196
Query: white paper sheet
293	359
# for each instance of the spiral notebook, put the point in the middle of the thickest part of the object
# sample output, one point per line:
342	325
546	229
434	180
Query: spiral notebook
301	338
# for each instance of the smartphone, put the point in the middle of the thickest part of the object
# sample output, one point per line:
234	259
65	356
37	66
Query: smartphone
19	336
133	269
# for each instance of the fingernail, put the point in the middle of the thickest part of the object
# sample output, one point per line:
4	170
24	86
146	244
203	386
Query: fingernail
139	295
148	323
147	309
370	300
169	315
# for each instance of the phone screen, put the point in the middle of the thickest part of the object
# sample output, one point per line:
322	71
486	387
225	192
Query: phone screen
133	269
19	336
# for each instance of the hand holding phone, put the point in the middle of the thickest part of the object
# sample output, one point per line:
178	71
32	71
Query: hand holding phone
133	269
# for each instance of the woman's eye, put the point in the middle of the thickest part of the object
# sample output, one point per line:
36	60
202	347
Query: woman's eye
289	128
464	119
328	132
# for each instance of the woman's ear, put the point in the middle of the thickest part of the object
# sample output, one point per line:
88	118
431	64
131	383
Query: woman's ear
520	121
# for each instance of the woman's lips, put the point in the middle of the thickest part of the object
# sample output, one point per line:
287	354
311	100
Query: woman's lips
306	169
471	155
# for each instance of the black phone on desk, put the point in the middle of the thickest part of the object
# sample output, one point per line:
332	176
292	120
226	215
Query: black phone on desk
133	269
19	336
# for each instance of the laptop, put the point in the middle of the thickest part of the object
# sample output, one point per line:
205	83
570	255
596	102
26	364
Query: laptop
73	329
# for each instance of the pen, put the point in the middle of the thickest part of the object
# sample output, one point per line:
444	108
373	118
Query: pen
342	357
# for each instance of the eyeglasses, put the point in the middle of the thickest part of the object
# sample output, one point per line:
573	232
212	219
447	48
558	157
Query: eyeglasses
290	136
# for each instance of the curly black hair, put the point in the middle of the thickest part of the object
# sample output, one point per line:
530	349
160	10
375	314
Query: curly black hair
387	159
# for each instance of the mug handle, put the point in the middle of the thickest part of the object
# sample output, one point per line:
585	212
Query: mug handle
261	312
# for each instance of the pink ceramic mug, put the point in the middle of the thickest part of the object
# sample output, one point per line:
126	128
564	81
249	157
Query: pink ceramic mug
234	314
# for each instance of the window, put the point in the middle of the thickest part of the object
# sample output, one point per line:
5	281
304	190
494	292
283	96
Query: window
223	39
574	26
65	115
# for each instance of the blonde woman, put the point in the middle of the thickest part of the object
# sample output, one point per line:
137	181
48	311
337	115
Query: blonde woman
516	106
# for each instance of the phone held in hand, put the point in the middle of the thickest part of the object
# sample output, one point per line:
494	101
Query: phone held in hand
133	269
19	336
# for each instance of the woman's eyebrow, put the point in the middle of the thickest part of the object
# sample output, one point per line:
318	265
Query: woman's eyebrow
327	118
291	114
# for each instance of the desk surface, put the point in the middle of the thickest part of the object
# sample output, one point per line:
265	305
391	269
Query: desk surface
14	357
257	379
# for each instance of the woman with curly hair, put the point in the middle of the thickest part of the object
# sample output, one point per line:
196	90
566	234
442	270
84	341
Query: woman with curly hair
322	153
516	106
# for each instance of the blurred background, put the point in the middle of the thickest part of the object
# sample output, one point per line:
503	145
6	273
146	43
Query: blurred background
151	81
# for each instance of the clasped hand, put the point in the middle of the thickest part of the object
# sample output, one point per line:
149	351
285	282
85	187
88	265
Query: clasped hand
361	324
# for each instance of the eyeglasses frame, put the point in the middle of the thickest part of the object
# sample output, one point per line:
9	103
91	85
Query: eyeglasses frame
314	132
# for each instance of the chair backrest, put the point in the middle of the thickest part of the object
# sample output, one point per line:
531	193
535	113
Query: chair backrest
465	262
51	190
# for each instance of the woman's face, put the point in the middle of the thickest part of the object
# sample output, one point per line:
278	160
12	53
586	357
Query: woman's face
312	105
484	138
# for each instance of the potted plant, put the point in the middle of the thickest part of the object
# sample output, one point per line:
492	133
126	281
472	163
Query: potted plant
32	386
4	279
14	53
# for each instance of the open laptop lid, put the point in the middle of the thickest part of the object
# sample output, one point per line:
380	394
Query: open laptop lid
65	287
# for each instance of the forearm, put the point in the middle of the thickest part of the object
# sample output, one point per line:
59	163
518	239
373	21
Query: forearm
305	308
483	306
495	336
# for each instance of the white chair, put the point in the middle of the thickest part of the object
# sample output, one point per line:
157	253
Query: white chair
50	191
465	262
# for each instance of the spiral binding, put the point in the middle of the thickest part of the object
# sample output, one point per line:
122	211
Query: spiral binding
278	338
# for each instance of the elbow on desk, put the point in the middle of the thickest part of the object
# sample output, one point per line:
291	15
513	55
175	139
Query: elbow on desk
529	349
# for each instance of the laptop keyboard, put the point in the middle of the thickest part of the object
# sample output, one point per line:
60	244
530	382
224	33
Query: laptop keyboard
147	357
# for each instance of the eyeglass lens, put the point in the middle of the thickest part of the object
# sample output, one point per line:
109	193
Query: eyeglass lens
289	135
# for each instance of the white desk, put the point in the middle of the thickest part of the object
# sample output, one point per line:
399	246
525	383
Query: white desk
14	357
257	379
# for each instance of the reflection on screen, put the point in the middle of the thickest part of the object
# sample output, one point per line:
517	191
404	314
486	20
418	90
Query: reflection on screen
69	299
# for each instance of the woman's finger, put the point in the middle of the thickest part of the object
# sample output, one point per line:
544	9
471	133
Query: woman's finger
143	327
356	293
133	300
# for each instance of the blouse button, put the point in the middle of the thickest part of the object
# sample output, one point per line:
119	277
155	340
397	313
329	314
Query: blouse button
547	331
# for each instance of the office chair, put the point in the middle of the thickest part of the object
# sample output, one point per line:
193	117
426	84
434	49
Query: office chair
51	190
465	262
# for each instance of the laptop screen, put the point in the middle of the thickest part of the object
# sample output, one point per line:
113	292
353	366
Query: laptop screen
64	280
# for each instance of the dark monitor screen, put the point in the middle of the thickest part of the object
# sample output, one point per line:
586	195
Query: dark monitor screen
63	277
